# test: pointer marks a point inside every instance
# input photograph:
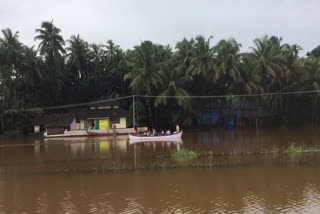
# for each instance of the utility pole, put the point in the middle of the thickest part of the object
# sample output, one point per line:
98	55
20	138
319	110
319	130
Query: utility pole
134	114
2	123
2	112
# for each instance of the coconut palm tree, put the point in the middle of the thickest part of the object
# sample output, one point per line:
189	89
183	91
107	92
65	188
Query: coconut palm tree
265	55
98	70
51	42
96	59
11	48
32	67
227	64
78	57
312	81
315	52
51	46
174	82
33	71
10	59
111	49
289	76
250	81
184	52
143	75
201	61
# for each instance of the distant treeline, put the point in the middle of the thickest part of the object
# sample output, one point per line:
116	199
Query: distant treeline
61	71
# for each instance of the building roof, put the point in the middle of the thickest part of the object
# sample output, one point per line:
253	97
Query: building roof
54	120
84	113
106	103
65	119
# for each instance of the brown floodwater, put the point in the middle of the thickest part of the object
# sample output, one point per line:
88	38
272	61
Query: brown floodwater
114	175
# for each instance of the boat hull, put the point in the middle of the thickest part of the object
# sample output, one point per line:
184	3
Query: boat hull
100	133
77	133
172	137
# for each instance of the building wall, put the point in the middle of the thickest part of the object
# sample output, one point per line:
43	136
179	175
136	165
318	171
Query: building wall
96	124
82	124
87	124
54	131
36	129
210	118
73	125
104	124
122	124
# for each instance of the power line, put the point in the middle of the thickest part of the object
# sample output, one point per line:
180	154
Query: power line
231	95
155	96
67	105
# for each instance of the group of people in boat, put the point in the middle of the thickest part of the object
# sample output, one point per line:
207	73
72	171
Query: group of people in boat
153	132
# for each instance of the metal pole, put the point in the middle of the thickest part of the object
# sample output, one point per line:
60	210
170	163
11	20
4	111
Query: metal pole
2	123
2	113
134	113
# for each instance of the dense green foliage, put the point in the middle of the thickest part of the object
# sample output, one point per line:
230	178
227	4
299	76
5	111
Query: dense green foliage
184	154
60	71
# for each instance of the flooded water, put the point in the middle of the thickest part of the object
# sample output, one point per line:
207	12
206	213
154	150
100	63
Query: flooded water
113	175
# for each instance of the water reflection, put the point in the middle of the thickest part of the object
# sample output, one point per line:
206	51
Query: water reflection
69	175
85	148
217	140
103	148
156	142
236	190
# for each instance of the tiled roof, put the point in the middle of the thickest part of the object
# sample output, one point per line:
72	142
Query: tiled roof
58	119
84	113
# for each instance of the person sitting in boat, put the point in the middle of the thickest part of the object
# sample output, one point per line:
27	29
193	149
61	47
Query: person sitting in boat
153	132
162	132
177	129
146	133
168	132
137	131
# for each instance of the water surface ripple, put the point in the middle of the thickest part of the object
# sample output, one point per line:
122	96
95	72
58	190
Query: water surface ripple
74	176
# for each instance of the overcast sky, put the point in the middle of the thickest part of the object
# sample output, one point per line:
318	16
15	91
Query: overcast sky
127	22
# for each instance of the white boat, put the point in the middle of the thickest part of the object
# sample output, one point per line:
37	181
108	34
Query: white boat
174	142
172	137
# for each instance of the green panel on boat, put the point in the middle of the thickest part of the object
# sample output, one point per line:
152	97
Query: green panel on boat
96	122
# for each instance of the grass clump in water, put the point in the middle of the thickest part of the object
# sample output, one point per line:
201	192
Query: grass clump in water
294	149
184	154
275	150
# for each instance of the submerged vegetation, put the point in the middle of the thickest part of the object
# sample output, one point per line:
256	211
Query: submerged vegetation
293	148
62	71
184	154
292	156
275	150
